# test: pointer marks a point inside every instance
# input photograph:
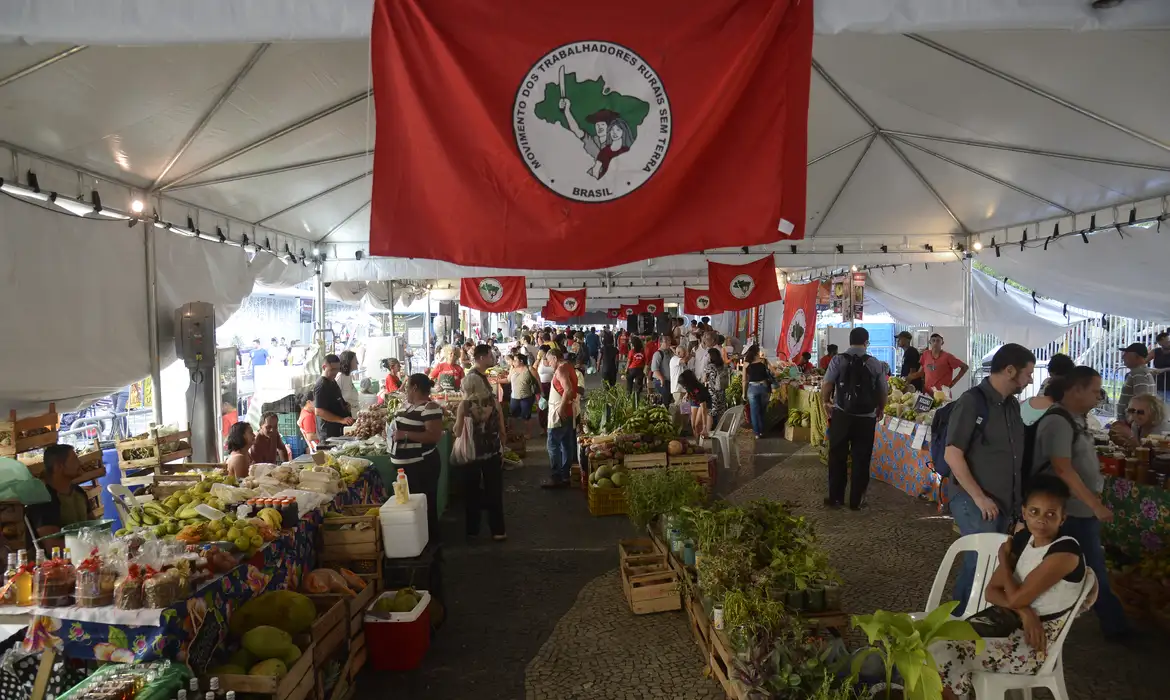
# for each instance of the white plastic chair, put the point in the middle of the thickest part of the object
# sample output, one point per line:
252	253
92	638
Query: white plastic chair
989	685
986	547
726	429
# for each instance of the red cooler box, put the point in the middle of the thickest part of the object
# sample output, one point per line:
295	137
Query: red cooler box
398	641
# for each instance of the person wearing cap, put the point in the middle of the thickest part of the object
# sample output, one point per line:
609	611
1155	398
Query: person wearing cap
1140	380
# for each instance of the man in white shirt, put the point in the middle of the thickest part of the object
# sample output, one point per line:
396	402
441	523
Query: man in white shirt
678	364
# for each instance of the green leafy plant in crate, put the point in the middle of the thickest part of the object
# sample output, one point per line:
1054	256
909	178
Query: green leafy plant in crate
651	493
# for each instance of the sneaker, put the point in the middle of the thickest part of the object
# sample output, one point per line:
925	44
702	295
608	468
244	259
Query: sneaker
859	506
499	538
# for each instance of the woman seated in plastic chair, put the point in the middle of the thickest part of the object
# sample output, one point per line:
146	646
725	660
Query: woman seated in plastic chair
1032	592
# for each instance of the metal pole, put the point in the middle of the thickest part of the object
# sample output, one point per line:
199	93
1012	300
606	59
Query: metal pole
969	309
427	331
390	293
152	321
319	313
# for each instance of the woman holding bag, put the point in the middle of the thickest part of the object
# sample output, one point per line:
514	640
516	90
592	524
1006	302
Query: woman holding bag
479	425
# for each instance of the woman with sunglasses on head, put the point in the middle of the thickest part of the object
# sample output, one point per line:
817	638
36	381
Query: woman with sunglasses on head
1145	416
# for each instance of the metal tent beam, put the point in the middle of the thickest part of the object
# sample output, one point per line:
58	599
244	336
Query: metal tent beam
315	197
284	131
844	184
842	147
271	171
1038	91
29	70
211	111
889	142
988	176
345	221
1024	149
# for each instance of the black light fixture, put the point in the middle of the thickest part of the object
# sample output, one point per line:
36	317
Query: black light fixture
358	255
1056	230
744	249
1133	216
885	248
793	249
840	248
219	234
929	248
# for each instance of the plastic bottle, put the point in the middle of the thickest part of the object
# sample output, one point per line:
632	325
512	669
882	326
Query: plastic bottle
193	686
401	488
231	695
182	694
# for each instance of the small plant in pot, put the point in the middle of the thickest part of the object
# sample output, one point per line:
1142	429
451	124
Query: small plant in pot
903	643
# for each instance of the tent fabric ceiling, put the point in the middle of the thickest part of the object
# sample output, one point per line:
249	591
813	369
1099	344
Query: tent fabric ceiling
913	138
195	21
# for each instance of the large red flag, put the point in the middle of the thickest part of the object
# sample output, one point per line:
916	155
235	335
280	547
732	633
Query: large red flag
697	302
612	314
567	303
505	138
651	306
628	310
800	317
551	314
496	294
739	287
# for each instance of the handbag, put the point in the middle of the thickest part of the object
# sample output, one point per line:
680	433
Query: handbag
463	449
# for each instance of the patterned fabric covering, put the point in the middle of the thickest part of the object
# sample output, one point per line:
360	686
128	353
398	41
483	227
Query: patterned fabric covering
896	462
1141	517
279	565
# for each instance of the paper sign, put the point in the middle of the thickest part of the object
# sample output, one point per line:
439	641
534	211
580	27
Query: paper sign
906	427
923	403
919	437
894	424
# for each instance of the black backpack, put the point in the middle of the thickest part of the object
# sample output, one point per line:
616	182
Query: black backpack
938	430
857	386
1028	468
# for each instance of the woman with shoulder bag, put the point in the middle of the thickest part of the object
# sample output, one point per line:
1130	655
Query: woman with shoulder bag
480	419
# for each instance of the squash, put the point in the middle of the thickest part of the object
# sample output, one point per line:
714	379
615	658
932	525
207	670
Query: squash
674	448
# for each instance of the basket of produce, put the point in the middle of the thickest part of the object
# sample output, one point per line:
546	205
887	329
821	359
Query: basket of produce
652	422
606	491
371	421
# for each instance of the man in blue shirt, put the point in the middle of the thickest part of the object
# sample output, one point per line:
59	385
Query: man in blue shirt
259	354
593	347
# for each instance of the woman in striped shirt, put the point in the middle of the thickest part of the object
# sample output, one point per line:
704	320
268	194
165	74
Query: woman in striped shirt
416	429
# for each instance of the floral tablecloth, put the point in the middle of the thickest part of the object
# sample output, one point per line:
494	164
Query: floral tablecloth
279	565
1141	516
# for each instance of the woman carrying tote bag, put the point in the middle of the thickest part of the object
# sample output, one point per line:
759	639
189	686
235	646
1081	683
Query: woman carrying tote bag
479	425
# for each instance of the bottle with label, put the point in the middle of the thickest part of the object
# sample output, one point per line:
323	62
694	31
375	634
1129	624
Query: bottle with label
182	694
401	488
24	580
9	595
213	687
231	695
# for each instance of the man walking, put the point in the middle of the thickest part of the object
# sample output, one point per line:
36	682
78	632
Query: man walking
592	349
854	393
562	435
1140	379
660	368
985	452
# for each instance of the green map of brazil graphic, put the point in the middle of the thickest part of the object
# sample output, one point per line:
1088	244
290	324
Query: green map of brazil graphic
588	97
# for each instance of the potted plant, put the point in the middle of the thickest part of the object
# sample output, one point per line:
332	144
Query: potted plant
903	643
651	493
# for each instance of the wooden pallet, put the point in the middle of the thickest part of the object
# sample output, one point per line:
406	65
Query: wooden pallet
700	624
649	584
11	442
300	683
155	445
650	460
697	464
721	661
638	547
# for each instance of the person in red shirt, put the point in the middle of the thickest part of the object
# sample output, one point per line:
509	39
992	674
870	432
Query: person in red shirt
307	422
650	343
393	381
805	364
623	340
448	374
635	365
938	366
823	363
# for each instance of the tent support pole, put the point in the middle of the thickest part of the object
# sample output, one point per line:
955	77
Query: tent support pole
315	197
152	321
968	306
319	313
271	171
903	135
427	331
390	293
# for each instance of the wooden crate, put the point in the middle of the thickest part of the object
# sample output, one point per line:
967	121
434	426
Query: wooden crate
638	547
155	445
649	584
37	431
697	464
91	464
341	540
650	460
300	683
794	433
331	628
12	522
700	624
610	501
721	663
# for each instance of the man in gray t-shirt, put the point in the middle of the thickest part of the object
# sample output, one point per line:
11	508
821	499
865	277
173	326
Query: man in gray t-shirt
1140	379
851	433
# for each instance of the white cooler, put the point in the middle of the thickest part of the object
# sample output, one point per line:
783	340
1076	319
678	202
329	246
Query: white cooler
404	527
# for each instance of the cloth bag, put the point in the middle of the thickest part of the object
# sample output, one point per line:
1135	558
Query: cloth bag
463	449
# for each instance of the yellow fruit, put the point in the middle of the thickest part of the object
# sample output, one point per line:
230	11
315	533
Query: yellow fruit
267	642
250	531
242	543
257	541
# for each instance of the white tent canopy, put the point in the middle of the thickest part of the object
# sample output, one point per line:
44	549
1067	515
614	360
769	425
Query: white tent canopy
914	140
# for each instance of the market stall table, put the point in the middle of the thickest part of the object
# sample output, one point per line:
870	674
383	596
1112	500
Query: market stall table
1141	517
804	398
901	458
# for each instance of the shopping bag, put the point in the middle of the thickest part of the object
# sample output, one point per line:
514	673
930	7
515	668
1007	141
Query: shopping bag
463	450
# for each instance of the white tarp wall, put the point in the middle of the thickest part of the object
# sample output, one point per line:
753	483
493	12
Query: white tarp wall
74	319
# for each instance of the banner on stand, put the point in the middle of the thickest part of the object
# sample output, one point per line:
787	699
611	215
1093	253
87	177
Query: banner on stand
567	303
857	296
799	320
738	287
697	302
603	117
497	294
838	291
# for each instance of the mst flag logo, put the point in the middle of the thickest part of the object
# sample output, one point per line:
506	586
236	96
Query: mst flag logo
652	308
742	286
797	329
570	304
592	121
703	301
490	289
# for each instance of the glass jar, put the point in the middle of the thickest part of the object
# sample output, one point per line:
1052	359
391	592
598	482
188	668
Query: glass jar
1131	464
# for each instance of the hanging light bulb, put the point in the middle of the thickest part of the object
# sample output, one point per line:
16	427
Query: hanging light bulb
977	245
137	206
853	268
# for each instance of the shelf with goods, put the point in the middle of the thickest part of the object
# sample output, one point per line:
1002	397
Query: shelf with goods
19	435
141	458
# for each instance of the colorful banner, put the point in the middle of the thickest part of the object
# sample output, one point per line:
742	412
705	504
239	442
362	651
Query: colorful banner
566	303
697	302
838	290
857	295
738	287
494	294
651	306
800	318
607	117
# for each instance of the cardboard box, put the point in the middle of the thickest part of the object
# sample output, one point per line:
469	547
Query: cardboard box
794	433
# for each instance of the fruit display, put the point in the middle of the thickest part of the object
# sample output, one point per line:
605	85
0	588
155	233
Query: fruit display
403	600
799	419
682	446
653	421
178	517
901	404
605	477
370	422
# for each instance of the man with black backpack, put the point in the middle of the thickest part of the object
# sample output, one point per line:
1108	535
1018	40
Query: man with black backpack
1061	445
984	443
854	393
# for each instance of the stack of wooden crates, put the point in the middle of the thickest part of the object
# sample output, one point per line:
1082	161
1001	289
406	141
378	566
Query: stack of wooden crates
648	581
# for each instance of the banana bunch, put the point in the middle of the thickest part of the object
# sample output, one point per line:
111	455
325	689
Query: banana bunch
272	517
799	419
651	420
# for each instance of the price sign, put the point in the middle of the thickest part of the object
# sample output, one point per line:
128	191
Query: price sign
919	437
206	641
906	427
923	403
894	425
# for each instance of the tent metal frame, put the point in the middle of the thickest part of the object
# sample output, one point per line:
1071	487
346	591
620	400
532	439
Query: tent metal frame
44	63
317	196
272	171
346	220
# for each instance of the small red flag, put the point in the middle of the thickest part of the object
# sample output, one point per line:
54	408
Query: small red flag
697	302
651	306
800	317
628	310
495	294
739	287
567	303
